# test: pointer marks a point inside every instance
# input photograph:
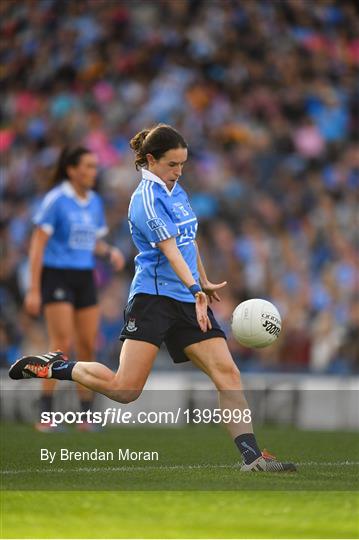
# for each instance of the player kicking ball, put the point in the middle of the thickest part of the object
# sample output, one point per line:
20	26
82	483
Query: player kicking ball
167	300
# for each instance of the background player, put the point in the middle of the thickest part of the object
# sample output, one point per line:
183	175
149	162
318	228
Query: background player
167	301
69	226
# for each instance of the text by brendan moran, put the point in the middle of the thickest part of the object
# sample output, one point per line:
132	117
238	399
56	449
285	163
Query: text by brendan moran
121	454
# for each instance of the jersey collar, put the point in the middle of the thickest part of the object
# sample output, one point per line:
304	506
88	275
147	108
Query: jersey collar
148	175
70	192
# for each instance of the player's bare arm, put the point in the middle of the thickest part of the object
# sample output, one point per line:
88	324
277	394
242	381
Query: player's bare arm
170	250
38	243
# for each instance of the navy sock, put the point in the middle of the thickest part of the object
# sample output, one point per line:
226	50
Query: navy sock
248	447
46	402
62	370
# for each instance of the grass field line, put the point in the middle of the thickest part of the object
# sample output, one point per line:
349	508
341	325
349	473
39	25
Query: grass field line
166	467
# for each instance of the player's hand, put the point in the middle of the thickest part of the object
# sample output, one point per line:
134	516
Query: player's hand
201	312
117	259
32	302
211	290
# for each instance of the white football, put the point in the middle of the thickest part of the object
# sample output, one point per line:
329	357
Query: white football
256	323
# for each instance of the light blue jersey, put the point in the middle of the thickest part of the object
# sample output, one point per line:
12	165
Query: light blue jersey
156	214
74	225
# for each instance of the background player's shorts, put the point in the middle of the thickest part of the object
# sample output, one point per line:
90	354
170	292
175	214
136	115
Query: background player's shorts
67	285
158	319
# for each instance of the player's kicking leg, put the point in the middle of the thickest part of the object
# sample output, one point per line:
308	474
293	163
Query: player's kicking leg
136	361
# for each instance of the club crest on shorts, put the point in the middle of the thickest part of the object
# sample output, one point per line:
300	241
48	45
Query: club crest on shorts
59	294
131	325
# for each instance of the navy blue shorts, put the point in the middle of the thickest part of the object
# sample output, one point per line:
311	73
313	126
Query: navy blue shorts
77	287
157	319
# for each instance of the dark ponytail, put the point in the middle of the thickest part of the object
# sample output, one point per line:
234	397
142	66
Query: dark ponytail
156	141
69	157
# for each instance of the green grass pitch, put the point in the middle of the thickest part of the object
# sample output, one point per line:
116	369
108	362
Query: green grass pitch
195	490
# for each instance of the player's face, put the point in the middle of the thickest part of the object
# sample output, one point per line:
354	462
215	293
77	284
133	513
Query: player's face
84	174
169	166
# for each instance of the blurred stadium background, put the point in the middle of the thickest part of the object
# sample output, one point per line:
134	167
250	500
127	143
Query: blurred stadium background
265	94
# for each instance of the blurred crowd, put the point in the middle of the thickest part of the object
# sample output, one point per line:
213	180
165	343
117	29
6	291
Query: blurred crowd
264	91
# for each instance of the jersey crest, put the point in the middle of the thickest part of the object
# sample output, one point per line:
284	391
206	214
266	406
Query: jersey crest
179	210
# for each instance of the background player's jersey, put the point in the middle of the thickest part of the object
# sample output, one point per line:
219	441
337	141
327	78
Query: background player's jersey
73	224
156	214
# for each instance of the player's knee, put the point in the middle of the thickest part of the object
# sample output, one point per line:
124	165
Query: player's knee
233	375
124	396
227	376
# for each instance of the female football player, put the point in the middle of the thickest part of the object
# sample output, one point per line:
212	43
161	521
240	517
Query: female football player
68	230
167	300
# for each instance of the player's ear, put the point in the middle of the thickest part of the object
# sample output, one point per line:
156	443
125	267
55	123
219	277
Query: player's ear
150	159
